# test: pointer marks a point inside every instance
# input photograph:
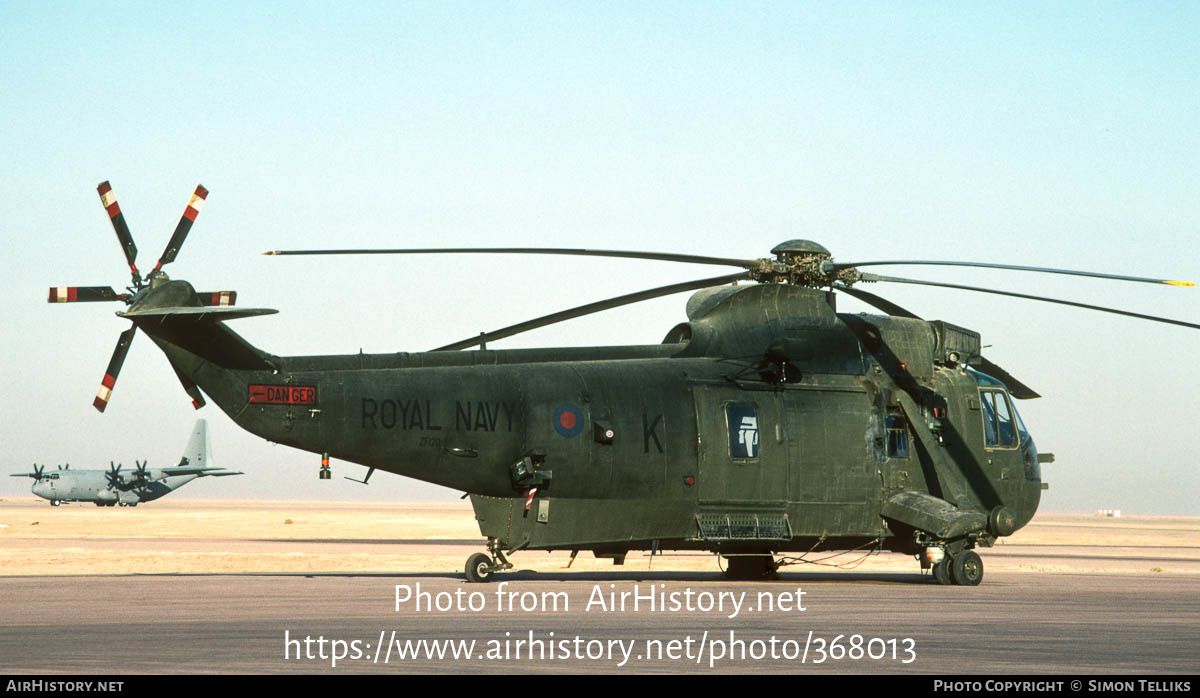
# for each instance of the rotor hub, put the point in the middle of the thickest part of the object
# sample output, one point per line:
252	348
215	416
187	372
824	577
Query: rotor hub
802	263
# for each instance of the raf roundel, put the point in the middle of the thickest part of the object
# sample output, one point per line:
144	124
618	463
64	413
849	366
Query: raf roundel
568	420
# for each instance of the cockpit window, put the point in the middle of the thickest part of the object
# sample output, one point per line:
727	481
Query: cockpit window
999	425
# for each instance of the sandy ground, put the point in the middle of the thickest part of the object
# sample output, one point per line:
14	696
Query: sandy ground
189	536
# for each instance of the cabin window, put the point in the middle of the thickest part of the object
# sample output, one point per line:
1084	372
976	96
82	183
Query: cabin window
897	434
742	420
999	426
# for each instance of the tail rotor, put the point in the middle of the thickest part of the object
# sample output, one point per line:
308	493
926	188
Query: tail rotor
140	287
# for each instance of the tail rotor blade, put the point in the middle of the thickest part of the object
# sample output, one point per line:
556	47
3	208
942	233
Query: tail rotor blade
114	369
118	222
185	224
189	387
83	294
218	298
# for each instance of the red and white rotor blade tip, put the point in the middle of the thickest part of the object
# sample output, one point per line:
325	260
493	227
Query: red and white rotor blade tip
83	294
185	224
114	369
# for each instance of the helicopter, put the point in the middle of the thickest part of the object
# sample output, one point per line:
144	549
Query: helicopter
767	425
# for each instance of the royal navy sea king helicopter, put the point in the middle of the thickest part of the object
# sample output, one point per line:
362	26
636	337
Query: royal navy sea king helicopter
766	425
120	486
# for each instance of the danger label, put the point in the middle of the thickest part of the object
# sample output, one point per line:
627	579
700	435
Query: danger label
283	394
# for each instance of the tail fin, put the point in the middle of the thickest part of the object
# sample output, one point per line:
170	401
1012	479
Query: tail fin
196	453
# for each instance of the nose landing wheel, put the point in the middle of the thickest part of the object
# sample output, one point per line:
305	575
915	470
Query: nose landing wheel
481	567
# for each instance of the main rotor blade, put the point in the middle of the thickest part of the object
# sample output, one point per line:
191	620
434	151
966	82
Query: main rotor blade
831	266
1114	311
114	369
118	222
83	294
871	299
185	224
1015	387
593	308
659	256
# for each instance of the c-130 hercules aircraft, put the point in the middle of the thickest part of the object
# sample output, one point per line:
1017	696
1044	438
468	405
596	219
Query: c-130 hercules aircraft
113	487
768	424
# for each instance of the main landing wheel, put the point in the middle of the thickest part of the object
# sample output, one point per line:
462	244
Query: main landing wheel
479	568
966	569
941	571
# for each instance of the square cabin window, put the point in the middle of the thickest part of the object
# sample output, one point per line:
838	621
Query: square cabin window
742	421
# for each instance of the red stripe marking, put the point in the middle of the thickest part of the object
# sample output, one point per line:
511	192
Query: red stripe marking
72	294
190	213
108	381
99	404
104	188
195	405
201	192
53	294
113	210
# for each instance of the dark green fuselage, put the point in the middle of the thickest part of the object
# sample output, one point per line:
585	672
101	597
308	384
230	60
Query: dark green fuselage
642	442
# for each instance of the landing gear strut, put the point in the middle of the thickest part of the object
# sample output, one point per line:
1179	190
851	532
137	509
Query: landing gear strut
482	566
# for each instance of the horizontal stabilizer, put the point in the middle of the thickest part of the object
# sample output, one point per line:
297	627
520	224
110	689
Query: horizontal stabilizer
189	470
213	313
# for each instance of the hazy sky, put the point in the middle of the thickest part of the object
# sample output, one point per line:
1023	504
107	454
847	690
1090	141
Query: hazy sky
1053	134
